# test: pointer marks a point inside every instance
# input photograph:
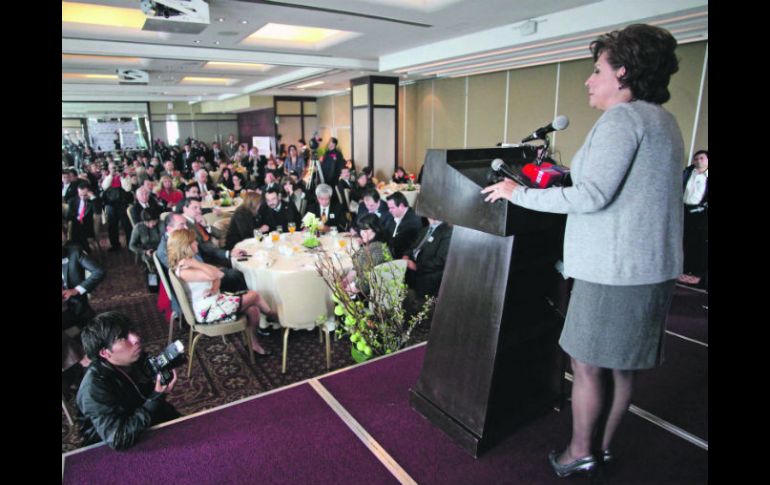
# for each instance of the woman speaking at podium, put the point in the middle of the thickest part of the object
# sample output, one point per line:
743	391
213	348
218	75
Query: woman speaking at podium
623	238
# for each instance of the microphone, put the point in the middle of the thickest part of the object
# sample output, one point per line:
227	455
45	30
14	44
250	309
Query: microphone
558	124
499	166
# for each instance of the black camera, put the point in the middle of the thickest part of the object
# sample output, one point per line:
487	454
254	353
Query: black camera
171	357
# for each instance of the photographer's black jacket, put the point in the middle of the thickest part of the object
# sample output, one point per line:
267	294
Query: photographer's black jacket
116	411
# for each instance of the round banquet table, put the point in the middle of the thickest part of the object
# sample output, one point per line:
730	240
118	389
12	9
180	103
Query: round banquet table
411	195
288	259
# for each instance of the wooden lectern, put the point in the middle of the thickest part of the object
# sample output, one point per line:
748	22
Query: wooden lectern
492	361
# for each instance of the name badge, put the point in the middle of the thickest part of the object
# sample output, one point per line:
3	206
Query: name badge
430	239
331	216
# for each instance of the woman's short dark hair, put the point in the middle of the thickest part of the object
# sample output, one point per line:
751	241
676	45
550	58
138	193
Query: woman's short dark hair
371	221
647	53
103	331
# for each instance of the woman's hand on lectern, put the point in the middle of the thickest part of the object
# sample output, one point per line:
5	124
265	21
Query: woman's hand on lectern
500	190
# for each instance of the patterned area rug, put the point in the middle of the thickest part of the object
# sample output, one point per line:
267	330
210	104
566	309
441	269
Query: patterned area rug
221	371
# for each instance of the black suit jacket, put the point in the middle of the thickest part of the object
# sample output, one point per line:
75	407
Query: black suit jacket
385	217
136	210
286	214
74	274
331	165
430	261
407	233
86	228
72	192
337	216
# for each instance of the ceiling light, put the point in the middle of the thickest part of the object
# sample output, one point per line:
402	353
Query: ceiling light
196	41
283	35
307	85
74	75
244	22
216	42
240	66
207	80
220	19
82	13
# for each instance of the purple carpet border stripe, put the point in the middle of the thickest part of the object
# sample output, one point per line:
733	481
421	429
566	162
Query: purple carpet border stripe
284	438
649	453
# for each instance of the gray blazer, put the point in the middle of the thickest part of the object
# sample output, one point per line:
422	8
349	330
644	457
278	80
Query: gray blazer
624	223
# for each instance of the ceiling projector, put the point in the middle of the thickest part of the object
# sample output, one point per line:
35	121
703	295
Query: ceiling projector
175	16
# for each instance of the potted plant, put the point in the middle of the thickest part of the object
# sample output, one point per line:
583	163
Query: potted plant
311	223
373	319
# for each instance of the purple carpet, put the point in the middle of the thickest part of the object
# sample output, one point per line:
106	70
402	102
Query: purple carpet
287	437
687	316
677	391
648	453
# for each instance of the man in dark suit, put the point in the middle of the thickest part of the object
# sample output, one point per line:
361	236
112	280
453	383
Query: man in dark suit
205	185
80	214
143	201
270	183
274	213
191	191
185	159
427	257
69	180
343	184
328	210
372	204
75	286
402	232
212	254
231	146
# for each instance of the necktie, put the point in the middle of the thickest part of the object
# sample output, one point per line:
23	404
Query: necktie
324	217
417	250
82	211
202	232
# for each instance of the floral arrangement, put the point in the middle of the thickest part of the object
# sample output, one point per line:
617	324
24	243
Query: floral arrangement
311	223
410	182
375	322
224	196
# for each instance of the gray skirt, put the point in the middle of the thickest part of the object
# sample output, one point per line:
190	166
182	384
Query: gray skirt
617	327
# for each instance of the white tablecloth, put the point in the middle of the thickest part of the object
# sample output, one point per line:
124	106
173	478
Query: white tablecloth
411	195
266	264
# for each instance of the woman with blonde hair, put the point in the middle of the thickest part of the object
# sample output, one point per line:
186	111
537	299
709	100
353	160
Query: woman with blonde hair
202	282
244	220
168	193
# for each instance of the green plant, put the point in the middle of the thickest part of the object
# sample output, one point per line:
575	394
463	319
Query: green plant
373	319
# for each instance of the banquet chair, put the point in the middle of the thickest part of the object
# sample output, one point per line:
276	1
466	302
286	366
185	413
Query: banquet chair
133	225
211	218
384	273
162	273
315	300
209	329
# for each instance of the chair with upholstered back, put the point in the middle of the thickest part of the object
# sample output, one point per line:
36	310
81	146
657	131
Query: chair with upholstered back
219	230
315	300
130	217
209	329
383	276
162	273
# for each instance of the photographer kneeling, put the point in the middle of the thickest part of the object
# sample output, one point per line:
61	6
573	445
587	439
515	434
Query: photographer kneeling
119	397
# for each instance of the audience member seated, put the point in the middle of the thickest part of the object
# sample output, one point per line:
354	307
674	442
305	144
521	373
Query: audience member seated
294	161
202	284
271	183
373	251
362	185
205	186
274	213
226	178
143	202
371	204
400	176
426	259
191	192
211	253
402	231
244	220
328	210
75	286
696	213
239	183
118	396
145	237
343	184
80	213
168	193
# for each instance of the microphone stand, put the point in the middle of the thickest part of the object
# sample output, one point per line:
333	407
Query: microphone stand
542	151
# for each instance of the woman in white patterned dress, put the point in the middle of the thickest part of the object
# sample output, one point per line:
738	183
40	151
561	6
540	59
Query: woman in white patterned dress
202	281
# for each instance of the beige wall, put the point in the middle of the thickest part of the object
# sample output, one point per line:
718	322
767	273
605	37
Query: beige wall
334	120
434	114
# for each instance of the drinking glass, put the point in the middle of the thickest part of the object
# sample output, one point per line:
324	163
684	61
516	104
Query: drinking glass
275	236
292	227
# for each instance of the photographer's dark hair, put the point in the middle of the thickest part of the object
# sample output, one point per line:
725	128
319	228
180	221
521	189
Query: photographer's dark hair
704	152
103	331
647	53
371	221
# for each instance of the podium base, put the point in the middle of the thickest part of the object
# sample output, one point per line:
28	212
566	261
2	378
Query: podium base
461	435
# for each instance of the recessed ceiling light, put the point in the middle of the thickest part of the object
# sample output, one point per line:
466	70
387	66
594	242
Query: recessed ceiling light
221	19
244	22
197	41
208	80
244	66
307	85
297	35
216	42
82	13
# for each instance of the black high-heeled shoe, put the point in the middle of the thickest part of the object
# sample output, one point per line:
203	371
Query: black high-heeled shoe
585	464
